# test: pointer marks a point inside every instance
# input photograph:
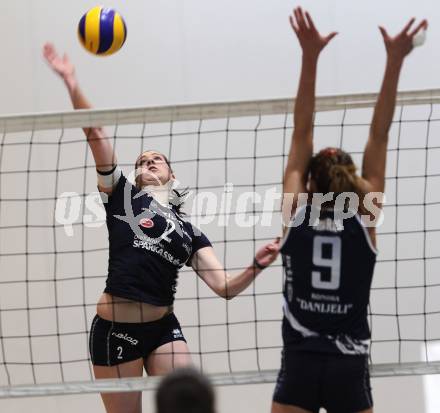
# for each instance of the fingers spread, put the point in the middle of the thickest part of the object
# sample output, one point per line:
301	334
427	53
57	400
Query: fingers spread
300	18
46	49
384	32
49	51
330	36
310	21
422	26
295	13
408	25
293	24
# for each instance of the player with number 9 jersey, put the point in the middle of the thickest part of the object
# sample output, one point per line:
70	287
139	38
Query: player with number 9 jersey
326	289
329	249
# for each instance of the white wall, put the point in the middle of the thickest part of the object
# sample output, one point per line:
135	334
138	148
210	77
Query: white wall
196	51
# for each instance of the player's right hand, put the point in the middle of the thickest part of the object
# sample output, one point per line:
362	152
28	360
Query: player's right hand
60	65
311	41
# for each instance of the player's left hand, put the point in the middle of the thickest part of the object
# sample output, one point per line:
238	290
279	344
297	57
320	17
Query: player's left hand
401	45
267	254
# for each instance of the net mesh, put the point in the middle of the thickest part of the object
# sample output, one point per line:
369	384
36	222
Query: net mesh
231	156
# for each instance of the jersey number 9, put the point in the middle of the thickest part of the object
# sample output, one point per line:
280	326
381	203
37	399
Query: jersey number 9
333	262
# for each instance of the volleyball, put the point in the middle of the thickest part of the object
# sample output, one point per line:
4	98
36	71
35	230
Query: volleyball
102	31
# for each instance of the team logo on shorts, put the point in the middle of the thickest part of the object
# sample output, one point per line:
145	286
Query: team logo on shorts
126	337
146	223
177	333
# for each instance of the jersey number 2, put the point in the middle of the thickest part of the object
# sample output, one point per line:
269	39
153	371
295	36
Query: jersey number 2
171	226
334	263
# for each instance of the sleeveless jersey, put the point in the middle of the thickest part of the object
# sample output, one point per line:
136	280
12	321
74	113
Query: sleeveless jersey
148	244
328	273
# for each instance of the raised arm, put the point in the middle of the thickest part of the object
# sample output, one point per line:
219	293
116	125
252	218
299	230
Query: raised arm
100	145
397	48
301	148
206	264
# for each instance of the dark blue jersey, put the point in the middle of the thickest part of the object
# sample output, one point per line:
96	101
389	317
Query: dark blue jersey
328	273
148	244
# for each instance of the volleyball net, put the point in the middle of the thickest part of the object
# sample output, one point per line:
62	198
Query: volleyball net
231	156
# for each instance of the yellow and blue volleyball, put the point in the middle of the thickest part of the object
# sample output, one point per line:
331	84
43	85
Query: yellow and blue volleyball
102	31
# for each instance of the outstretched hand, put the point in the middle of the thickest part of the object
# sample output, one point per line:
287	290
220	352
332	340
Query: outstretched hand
266	255
60	65
401	45
311	41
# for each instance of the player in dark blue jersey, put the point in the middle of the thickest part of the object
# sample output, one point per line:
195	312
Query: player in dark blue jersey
149	241
329	244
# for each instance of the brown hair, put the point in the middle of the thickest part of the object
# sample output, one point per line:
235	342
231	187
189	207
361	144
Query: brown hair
180	195
333	170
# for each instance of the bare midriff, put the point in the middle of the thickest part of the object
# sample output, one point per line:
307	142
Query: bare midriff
122	310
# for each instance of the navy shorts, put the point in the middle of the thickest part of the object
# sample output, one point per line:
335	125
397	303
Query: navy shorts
337	382
113	343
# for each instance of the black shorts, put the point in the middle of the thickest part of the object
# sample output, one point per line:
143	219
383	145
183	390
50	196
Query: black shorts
310	380
113	343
